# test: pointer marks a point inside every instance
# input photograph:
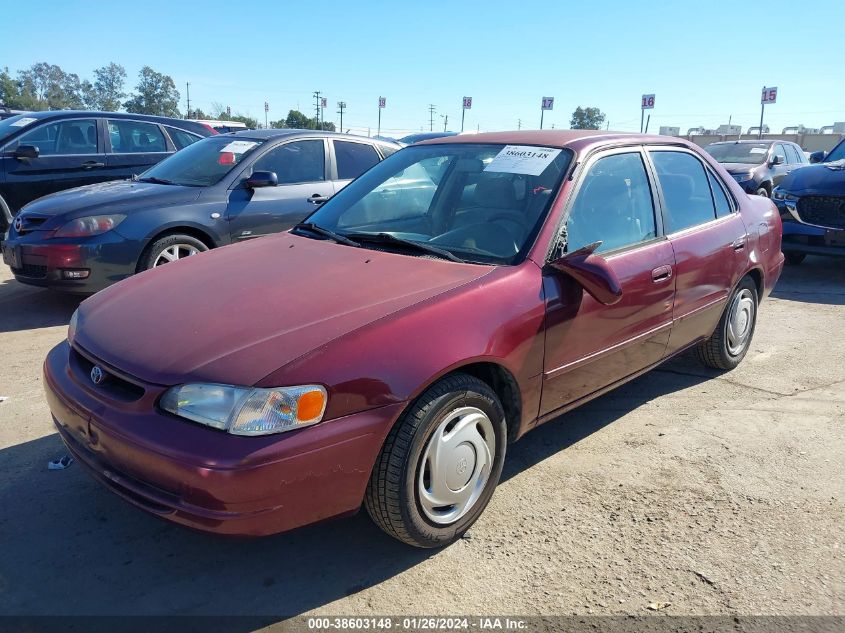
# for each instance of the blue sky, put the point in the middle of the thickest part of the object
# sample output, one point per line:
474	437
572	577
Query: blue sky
705	61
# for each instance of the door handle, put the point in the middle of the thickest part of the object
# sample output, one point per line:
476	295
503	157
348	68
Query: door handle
92	164
738	244
661	273
317	199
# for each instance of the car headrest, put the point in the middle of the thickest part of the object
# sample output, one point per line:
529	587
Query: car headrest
496	193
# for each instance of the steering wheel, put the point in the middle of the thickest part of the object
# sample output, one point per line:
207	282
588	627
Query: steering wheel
515	219
481	237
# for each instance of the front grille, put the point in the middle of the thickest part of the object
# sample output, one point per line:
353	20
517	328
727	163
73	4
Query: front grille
25	223
823	210
114	386
31	270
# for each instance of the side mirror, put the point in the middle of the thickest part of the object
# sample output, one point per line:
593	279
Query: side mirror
776	160
262	179
592	272
26	152
817	157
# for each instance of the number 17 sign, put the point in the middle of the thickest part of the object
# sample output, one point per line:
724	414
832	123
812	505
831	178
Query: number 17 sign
770	95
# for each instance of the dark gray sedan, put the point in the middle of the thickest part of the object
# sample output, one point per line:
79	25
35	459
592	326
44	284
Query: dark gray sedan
220	190
758	166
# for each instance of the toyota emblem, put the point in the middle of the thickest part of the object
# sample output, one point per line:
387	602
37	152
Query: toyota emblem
97	375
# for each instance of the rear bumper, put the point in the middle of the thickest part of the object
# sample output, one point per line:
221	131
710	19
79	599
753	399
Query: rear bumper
209	480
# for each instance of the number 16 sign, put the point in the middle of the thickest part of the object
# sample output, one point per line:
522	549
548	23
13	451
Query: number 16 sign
648	102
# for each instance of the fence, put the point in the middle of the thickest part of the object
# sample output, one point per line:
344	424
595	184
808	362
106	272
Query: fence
808	142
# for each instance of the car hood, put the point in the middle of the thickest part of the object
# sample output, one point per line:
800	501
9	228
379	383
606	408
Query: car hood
234	315
740	168
113	197
822	178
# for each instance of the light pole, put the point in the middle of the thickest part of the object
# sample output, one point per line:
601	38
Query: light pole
341	105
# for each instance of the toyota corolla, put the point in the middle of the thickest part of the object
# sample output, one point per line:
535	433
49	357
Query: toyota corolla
387	350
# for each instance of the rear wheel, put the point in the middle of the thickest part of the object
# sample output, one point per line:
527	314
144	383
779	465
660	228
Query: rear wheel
440	463
729	343
793	259
169	249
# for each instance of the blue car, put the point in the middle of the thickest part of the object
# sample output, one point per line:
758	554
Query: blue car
811	201
220	190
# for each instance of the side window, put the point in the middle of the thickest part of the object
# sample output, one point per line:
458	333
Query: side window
720	198
297	161
779	151
181	138
135	137
614	205
686	191
387	150
353	159
77	136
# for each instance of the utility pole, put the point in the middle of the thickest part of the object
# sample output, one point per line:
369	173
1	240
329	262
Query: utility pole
431	109
317	100
266	110
519	124
188	90
341	105
445	121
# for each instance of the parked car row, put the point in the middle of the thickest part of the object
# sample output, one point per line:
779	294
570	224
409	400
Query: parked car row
385	351
45	152
223	189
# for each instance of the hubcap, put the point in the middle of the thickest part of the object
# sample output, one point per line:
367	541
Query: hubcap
456	465
740	322
172	253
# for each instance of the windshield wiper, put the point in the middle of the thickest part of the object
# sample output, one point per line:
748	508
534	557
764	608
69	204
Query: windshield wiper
156	180
319	230
388	238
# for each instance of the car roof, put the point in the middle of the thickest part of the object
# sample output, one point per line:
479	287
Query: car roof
576	140
284	132
765	141
46	115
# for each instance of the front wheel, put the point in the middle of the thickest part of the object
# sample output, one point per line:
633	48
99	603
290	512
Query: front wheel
729	343
439	464
169	249
762	191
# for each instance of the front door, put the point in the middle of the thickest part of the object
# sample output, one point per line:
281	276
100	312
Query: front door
300	167
589	345
70	154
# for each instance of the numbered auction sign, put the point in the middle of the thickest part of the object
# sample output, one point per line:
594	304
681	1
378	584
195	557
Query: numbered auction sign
382	102
467	103
648	102
548	103
769	95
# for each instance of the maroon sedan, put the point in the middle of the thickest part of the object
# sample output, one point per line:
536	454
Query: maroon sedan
387	350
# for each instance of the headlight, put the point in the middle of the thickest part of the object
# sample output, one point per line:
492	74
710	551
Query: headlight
71	326
90	225
742	177
245	410
780	194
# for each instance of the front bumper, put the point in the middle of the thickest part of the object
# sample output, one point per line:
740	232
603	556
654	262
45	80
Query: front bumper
207	479
41	260
810	239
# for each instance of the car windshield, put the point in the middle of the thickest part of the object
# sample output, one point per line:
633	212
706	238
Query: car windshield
481	203
203	163
14	123
749	153
837	153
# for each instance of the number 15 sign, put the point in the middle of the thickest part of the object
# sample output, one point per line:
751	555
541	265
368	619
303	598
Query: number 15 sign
770	95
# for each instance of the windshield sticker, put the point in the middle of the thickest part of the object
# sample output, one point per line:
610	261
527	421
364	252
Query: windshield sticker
523	159
24	121
239	147
758	150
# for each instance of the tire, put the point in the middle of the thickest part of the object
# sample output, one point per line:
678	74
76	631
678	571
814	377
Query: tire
176	244
404	477
762	191
729	343
5	217
793	258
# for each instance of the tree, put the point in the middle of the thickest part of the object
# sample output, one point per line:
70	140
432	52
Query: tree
155	94
47	87
586	119
298	120
107	92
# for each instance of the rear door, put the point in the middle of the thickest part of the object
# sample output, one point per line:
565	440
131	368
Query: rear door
133	146
301	168
708	238
70	155
589	345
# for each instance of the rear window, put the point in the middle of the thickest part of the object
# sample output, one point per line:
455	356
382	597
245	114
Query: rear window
353	159
135	137
181	138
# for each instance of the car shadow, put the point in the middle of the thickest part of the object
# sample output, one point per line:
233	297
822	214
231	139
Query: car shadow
25	307
816	280
72	547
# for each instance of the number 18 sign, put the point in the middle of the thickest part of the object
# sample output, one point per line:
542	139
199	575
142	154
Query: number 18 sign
769	95
648	102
